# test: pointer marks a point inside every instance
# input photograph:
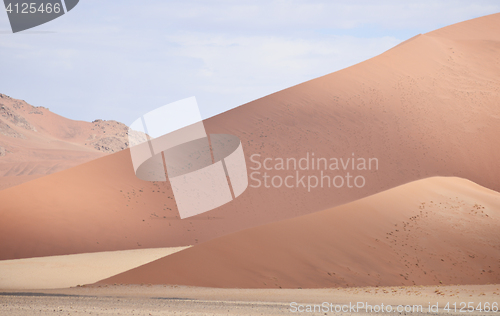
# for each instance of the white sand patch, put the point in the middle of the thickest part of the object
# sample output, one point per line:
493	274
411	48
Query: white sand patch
71	270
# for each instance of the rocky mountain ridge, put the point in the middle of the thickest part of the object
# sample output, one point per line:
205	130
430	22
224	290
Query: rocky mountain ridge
105	136
35	141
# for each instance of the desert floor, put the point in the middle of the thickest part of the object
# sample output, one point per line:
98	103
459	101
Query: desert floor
180	300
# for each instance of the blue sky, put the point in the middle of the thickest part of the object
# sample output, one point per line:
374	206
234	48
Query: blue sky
120	59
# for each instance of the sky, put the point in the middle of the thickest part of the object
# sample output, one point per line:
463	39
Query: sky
118	59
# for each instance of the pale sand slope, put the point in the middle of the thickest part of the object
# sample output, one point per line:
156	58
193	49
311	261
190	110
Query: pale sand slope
168	300
35	142
432	231
427	107
72	270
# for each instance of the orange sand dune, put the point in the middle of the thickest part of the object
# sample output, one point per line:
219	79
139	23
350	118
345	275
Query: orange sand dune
432	231
428	107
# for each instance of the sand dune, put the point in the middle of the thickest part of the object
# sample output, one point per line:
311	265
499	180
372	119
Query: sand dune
428	107
432	231
72	270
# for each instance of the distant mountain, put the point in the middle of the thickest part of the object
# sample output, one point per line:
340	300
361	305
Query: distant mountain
35	142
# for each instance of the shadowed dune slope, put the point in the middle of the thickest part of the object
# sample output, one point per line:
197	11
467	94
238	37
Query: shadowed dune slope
428	107
431	231
56	272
